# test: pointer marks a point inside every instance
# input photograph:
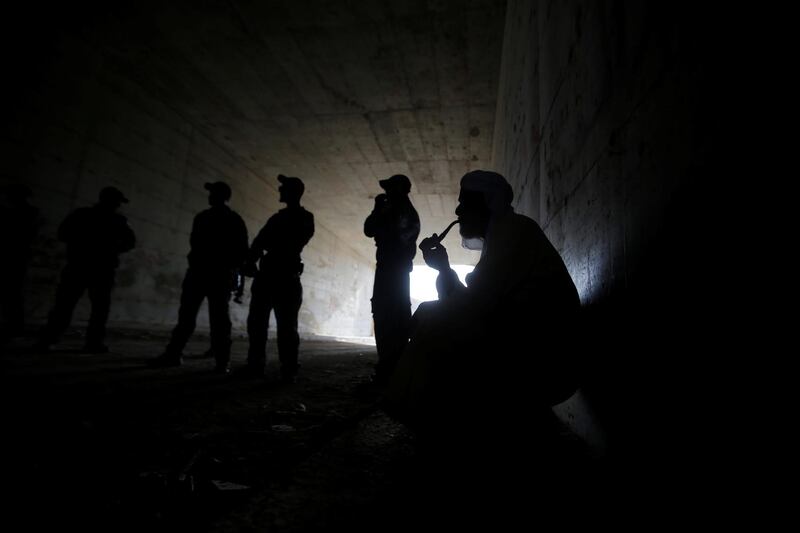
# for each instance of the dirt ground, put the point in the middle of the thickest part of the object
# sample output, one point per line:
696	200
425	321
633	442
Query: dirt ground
101	442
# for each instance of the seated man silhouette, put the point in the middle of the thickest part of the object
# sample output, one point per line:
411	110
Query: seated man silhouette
500	344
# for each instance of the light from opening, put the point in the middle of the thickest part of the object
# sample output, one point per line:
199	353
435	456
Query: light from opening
423	282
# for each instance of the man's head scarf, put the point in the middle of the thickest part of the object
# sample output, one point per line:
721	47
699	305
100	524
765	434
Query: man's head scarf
497	194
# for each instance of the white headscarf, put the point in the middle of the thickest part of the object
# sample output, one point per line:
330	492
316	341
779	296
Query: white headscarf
497	193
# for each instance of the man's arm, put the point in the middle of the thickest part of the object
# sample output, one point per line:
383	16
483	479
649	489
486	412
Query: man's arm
409	227
375	220
308	228
435	256
448	284
260	244
127	239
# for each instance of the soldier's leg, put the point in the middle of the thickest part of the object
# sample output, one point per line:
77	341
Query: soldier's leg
384	326
70	288
402	312
219	297
100	286
392	321
287	307
377	303
258	323
191	298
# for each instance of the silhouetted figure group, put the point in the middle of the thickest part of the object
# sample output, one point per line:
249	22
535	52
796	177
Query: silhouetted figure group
497	348
428	364
219	258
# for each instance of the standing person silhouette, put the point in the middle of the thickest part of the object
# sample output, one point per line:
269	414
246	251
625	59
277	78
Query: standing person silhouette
218	248
276	283
19	224
95	236
394	224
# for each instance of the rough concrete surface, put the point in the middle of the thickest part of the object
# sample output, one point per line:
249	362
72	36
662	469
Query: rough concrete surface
102	442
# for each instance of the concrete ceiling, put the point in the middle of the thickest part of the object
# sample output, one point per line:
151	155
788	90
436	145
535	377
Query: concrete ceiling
340	94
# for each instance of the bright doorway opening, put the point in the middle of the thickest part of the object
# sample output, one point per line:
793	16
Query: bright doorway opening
423	282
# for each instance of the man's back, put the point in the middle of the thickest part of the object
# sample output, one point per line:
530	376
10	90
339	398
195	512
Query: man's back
18	225
519	270
218	240
395	229
96	236
283	237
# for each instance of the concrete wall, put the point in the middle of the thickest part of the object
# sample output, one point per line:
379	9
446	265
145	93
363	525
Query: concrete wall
76	123
601	130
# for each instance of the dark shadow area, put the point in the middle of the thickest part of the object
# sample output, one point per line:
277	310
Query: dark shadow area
103	443
659	358
94	237
19	225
